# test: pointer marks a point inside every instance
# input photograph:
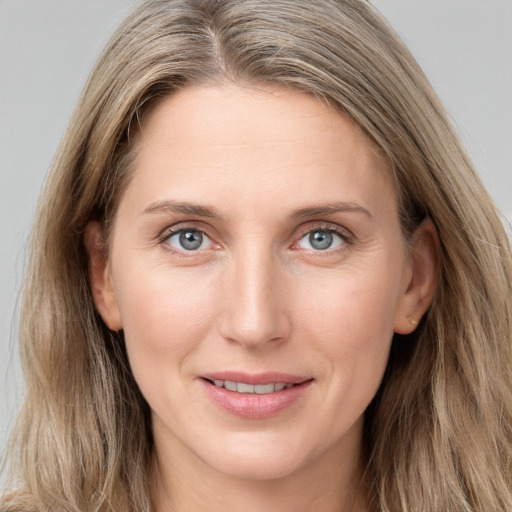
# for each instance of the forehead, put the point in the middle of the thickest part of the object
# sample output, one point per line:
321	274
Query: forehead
254	143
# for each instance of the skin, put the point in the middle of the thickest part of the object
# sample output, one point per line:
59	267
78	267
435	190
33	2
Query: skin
257	295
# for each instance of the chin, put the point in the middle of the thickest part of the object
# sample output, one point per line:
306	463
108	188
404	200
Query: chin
256	469
257	459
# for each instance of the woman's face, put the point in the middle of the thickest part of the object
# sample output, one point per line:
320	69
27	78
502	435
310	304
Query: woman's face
258	271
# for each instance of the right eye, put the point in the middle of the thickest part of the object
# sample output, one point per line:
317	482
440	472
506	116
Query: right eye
321	240
188	240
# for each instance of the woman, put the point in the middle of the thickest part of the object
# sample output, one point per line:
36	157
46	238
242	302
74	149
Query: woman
264	264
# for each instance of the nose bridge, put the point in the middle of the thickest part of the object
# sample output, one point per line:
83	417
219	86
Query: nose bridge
254	311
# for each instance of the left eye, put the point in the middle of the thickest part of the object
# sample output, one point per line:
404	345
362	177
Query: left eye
321	240
188	240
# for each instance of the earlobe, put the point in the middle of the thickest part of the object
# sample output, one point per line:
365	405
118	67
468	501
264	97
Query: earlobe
425	263
100	278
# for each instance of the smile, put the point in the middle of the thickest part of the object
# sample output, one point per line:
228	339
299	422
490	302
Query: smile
259	389
264	396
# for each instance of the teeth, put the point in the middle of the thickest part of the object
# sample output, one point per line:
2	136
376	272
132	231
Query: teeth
263	389
230	385
244	388
259	389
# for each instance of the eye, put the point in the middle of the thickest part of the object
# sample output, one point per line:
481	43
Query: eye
188	240
321	240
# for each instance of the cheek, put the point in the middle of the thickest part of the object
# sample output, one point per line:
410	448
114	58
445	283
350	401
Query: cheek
165	316
350	321
355	306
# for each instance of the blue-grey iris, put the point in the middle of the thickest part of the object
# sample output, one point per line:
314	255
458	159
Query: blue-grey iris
191	240
320	240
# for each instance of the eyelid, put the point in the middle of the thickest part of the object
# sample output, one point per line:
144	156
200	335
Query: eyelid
170	231
183	226
345	234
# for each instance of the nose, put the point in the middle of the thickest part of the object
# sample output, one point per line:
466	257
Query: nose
254	303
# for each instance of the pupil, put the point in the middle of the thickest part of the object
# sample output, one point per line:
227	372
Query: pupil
191	240
320	240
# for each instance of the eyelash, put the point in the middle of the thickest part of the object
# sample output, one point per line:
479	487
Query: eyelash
346	237
170	232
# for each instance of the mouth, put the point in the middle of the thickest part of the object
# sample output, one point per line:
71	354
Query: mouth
244	387
255	396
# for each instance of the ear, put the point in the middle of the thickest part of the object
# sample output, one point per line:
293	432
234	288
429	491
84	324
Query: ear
100	277
425	261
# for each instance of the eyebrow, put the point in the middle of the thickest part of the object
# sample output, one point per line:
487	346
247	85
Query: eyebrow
186	208
327	209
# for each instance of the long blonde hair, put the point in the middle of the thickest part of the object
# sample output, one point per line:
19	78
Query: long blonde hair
438	433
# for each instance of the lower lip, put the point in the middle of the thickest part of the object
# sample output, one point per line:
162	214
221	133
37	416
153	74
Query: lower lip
252	405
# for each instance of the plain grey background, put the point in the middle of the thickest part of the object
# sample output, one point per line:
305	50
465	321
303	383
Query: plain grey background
47	48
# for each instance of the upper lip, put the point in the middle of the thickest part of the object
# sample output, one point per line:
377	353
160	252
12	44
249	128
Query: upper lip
256	378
